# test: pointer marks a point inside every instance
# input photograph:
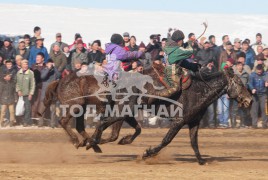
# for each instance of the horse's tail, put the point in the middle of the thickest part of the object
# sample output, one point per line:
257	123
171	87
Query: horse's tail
51	93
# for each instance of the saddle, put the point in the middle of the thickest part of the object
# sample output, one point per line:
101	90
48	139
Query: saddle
173	74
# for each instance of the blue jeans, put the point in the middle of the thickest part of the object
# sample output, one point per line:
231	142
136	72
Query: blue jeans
223	109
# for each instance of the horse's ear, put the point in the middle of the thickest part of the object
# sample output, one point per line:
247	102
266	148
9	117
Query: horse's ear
229	71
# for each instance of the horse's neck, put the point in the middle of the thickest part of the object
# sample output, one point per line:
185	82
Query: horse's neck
217	87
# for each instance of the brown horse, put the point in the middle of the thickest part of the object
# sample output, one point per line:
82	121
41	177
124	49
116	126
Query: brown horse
75	90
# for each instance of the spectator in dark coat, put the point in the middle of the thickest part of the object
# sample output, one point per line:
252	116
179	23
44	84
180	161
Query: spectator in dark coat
22	50
27	40
1	60
77	37
154	47
58	57
8	51
126	39
237	46
95	56
37	68
80	53
226	54
7	92
48	75
212	40
221	48
206	55
59	42
132	44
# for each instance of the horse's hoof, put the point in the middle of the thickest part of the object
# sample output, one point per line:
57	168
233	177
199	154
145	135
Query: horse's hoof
202	162
97	149
125	140
148	154
76	145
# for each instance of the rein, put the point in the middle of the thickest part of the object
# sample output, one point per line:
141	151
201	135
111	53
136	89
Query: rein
160	77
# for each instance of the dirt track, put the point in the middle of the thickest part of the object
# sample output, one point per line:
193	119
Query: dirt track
47	154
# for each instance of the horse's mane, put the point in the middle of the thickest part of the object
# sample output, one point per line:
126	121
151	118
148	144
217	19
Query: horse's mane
204	75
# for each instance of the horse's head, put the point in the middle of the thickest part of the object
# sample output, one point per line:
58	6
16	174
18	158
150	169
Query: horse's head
236	89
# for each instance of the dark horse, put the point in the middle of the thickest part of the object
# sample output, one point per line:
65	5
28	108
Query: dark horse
204	90
195	100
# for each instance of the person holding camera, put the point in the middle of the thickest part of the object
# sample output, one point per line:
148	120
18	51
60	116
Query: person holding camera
154	46
49	74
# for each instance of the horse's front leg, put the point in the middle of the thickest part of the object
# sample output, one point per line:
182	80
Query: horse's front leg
174	129
116	127
65	123
193	129
128	139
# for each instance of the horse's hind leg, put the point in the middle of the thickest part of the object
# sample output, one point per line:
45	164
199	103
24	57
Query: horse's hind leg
175	127
96	137
116	127
193	128
130	138
64	122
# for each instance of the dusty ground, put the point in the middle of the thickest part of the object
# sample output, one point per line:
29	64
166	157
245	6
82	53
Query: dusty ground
47	154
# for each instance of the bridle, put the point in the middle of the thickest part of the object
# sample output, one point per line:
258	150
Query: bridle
231	82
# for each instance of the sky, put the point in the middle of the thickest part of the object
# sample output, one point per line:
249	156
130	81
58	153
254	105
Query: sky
199	6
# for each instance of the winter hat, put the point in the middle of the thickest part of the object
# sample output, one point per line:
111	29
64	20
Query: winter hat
228	43
39	38
117	39
237	40
231	60
56	44
177	35
7	39
142	45
58	35
21	41
126	34
259	67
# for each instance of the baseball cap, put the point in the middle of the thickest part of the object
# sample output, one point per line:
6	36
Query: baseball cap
58	35
125	34
236	40
21	40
